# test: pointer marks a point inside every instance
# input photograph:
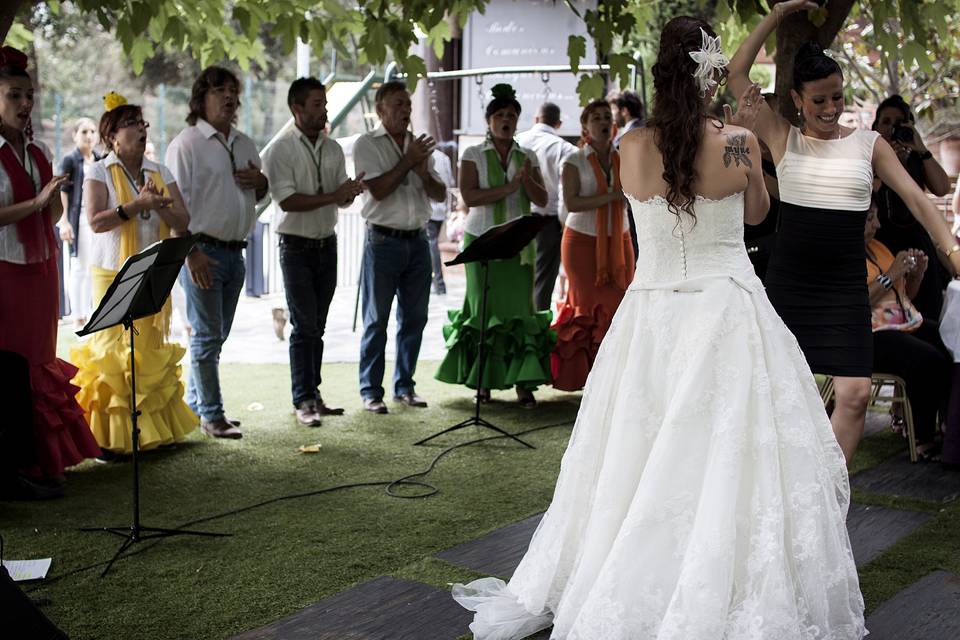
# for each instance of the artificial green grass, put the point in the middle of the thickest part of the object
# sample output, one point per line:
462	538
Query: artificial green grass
290	554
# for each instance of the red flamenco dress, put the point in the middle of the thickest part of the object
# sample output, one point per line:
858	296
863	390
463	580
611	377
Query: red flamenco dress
29	299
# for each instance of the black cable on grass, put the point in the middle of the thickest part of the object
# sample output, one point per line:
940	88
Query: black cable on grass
389	487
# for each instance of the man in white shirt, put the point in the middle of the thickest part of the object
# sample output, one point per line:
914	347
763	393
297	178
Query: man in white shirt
400	182
308	181
551	150
218	171
439	211
628	114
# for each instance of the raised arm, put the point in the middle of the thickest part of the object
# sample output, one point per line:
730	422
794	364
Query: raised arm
887	165
771	127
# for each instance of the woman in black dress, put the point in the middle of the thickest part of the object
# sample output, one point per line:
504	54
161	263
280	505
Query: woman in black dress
816	278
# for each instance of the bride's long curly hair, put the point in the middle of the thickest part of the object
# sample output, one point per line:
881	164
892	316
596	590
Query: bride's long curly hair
678	109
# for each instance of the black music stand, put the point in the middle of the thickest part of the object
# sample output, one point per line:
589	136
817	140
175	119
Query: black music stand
501	242
139	290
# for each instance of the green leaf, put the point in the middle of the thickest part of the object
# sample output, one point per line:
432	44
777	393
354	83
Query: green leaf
590	87
139	52
438	36
577	50
415	68
19	36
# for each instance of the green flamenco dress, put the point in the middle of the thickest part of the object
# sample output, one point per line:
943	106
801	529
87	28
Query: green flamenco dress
518	339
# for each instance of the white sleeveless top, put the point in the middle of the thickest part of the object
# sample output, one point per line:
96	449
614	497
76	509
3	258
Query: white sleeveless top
828	174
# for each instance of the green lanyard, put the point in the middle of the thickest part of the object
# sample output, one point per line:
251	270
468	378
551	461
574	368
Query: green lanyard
229	150
317	162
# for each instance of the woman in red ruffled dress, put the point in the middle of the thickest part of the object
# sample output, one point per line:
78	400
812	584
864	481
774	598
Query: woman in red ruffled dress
29	293
596	251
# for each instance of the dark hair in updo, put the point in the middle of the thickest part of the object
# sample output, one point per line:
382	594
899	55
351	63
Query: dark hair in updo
678	109
503	96
810	63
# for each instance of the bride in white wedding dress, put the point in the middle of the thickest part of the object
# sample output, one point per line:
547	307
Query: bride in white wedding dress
703	495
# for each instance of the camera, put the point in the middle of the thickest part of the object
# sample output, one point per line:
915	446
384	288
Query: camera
901	133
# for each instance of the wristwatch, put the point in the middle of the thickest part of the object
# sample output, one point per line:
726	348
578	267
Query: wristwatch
121	213
884	280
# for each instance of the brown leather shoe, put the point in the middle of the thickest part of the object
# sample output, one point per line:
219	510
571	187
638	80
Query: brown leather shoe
325	410
220	429
410	399
279	322
307	414
374	406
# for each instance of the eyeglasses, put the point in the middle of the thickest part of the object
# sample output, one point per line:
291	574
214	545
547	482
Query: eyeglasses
133	123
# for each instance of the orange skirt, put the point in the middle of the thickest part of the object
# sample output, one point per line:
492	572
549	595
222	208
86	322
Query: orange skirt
584	317
29	300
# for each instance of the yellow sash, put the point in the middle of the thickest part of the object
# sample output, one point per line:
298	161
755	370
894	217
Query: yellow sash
129	244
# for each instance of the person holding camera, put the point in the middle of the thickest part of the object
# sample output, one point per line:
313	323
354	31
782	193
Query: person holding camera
905	343
899	230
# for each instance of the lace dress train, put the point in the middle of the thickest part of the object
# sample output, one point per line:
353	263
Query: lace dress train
702	495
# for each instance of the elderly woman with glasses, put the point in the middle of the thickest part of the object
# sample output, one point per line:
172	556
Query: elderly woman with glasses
130	202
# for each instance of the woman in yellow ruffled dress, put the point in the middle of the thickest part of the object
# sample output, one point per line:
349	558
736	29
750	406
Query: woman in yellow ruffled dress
131	202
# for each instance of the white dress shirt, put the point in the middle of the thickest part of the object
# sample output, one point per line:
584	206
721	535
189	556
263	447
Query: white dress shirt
200	160
11	249
586	221
104	247
551	150
291	165
481	218
636	123
408	207
444	169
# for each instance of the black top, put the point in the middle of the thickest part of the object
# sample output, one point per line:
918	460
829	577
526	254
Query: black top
899	230
72	166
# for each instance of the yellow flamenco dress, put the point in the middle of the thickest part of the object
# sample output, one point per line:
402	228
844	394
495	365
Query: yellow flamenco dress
104	360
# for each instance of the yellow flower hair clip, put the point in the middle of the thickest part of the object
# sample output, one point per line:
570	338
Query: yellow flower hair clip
113	100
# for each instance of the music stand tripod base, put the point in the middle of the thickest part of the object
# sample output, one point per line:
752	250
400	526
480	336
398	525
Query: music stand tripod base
500	242
139	290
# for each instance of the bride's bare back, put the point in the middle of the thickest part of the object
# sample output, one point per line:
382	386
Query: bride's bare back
728	162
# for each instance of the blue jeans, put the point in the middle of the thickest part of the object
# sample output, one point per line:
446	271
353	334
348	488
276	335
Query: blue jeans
393	267
433	235
310	278
210	312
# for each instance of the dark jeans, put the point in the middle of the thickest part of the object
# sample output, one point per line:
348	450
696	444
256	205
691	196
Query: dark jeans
210	312
925	366
393	267
310	279
548	263
433	235
17	449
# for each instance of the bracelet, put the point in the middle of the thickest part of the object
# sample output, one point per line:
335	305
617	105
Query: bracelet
121	213
884	280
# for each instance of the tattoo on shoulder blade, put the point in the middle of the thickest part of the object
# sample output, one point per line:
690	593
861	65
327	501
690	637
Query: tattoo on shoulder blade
737	151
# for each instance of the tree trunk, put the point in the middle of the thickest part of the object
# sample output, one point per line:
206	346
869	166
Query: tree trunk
8	12
793	32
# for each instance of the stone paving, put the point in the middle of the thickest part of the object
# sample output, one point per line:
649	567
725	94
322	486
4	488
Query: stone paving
391	609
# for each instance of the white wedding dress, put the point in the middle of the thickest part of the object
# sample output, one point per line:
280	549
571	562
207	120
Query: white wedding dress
703	495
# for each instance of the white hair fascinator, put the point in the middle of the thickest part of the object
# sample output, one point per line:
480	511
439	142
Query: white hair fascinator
709	58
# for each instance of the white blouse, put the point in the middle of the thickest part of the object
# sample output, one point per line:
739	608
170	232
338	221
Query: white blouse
104	248
11	249
828	174
586	221
481	218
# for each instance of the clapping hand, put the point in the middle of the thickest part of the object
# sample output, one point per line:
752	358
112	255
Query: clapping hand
250	178
50	191
151	198
748	108
418	151
351	188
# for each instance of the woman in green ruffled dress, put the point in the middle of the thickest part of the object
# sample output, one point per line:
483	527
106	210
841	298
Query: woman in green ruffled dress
498	181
